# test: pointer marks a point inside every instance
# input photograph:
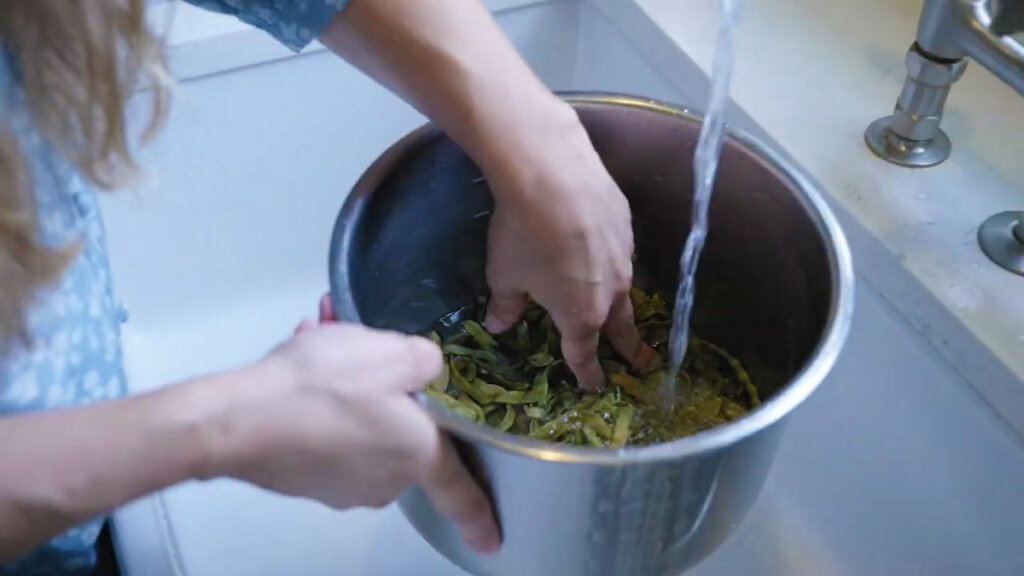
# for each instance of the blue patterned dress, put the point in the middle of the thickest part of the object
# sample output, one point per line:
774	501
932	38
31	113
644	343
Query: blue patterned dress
75	357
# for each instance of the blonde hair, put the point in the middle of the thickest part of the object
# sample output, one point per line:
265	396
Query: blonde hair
78	62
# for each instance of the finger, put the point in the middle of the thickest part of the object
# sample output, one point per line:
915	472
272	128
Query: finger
621	330
579	348
504	310
327	309
508	296
454	494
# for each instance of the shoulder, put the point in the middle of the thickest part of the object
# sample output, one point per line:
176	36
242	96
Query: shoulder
74	353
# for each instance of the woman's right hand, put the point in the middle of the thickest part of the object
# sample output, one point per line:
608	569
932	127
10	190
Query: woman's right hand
328	415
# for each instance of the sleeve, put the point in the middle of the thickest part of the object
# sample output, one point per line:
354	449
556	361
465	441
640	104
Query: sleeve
294	23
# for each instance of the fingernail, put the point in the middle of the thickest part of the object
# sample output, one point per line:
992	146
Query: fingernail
484	541
646	357
326	309
494	324
593	380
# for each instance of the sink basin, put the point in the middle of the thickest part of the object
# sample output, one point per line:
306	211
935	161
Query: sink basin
895	465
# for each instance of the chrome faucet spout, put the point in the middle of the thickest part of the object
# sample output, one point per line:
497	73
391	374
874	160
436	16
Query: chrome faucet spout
978	29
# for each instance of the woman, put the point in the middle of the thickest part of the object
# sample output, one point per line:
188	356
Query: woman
327	414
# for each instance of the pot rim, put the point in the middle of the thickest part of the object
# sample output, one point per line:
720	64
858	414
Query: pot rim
785	400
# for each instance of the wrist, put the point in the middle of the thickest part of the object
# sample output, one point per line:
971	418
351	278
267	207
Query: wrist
540	137
206	414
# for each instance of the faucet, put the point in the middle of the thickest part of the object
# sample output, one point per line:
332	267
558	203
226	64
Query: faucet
948	33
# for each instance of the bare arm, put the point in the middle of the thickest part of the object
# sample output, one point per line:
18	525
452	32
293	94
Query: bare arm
326	415
450	60
561	232
60	468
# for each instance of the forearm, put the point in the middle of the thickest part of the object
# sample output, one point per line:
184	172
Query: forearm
60	468
450	60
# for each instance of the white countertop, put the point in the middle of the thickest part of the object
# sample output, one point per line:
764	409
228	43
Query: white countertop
814	75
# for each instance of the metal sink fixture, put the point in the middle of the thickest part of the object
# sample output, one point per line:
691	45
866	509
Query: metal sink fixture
950	32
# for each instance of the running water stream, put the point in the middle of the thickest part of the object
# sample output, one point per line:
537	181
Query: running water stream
705	164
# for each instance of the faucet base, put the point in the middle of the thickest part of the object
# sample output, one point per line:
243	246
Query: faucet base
1002	239
896	149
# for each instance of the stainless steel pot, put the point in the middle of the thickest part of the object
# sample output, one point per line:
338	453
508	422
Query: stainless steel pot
775	287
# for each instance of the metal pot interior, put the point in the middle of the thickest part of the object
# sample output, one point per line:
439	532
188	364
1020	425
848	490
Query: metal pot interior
411	242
